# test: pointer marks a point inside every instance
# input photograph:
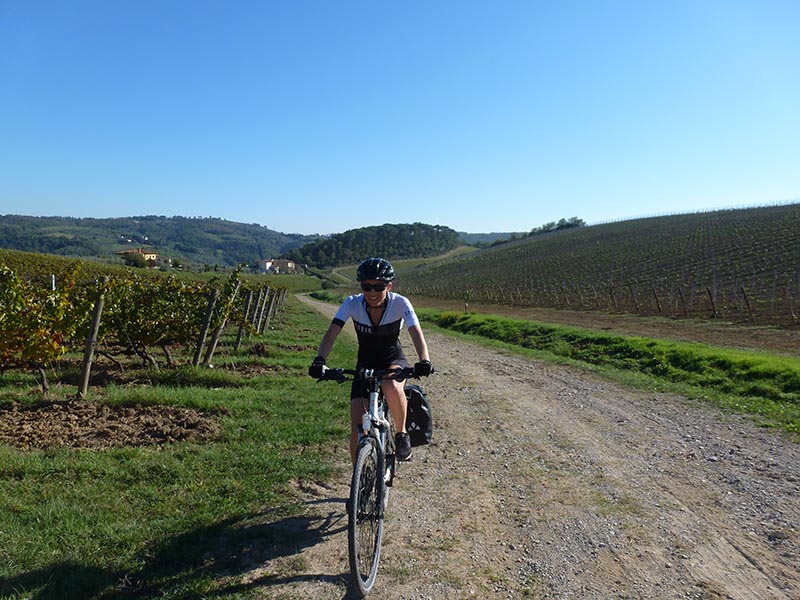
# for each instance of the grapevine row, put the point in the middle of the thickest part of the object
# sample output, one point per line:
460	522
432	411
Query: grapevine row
39	324
742	265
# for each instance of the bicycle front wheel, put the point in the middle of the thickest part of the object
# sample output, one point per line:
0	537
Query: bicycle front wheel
365	517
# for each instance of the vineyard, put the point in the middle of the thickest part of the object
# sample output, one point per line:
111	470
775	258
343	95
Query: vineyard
123	493
50	307
740	265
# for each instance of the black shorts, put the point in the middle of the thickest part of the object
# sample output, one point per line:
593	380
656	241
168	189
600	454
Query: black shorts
397	358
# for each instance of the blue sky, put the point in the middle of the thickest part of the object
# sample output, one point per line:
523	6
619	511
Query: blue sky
319	117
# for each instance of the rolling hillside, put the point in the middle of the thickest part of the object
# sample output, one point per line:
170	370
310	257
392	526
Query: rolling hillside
198	241
217	242
739	264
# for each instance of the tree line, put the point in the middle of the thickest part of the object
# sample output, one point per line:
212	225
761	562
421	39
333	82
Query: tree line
393	241
550	227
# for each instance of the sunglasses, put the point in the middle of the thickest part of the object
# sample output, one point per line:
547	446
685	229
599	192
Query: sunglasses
377	287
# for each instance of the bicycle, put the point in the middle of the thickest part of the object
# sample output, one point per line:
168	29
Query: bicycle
373	474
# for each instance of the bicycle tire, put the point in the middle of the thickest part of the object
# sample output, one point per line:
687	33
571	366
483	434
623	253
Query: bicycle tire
392	463
365	517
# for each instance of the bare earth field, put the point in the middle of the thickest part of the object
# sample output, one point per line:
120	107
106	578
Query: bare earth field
546	482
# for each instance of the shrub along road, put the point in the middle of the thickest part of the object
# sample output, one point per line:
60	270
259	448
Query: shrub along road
547	482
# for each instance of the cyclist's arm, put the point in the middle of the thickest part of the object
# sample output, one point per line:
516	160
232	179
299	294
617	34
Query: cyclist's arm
330	336
415	331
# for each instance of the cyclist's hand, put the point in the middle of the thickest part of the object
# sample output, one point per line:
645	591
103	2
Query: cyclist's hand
423	368
317	368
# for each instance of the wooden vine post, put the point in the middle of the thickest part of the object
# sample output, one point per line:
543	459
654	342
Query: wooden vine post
270	310
256	308
714	312
596	298
747	303
247	302
683	302
790	305
658	302
259	322
275	301
212	301
43	381
212	345
633	296
91	342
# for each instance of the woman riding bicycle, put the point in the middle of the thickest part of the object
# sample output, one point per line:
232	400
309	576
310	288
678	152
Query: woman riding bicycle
378	315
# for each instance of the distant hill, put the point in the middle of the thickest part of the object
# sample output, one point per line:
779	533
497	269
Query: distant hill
192	241
392	241
485	239
492	239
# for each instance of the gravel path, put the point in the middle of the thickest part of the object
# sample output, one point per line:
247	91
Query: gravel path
548	482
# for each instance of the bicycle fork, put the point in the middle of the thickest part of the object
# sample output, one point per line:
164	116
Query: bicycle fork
375	418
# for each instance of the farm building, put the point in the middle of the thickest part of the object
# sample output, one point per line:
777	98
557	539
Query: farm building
130	256
276	265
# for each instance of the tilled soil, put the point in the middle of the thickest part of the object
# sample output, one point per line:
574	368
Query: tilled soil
84	424
548	482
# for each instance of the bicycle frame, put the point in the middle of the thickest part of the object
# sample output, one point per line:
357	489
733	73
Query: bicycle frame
374	421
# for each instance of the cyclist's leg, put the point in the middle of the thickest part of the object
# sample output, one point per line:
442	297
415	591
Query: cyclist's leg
396	398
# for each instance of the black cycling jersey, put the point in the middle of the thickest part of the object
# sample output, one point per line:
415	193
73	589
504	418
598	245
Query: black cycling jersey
378	345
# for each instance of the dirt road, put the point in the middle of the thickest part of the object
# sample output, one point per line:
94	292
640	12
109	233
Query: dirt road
547	482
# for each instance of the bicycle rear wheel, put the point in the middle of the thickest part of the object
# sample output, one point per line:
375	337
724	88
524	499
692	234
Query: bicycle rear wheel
365	517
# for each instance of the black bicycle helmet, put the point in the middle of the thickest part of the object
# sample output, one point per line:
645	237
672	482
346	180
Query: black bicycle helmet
375	268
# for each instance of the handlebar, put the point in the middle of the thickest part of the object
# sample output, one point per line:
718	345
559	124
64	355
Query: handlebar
397	373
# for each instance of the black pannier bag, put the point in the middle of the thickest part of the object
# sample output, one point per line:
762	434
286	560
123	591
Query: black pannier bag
419	422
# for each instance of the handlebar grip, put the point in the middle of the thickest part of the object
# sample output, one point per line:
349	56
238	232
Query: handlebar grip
403	374
334	374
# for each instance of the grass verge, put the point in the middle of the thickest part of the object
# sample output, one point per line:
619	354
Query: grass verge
755	383
184	520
